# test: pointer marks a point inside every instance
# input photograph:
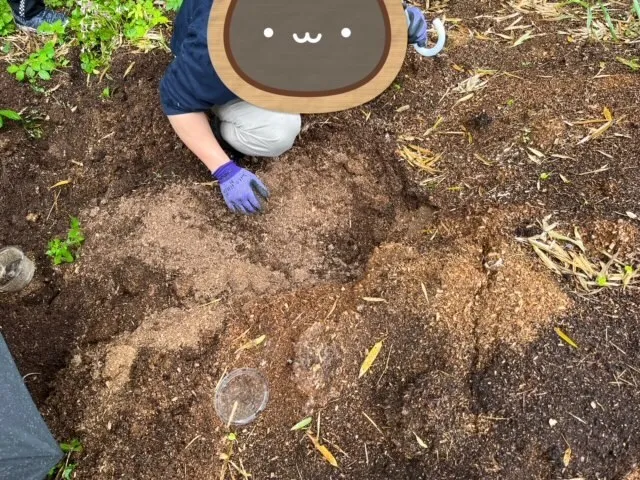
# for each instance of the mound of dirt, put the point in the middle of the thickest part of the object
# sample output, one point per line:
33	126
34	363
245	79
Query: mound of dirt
323	227
633	475
441	317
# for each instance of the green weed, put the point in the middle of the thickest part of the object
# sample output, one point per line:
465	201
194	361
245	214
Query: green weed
30	121
64	470
42	63
609	21
62	251
9	115
100	28
174	5
632	63
6	19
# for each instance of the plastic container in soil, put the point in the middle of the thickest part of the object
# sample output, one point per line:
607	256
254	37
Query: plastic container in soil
16	270
241	396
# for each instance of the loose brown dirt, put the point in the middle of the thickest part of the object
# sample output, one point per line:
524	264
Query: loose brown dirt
128	344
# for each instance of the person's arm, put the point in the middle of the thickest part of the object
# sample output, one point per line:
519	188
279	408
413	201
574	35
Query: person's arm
181	94
195	132
243	192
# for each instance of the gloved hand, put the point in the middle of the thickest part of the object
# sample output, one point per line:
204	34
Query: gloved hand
243	192
417	26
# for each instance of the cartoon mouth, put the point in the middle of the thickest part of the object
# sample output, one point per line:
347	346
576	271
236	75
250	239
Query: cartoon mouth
307	38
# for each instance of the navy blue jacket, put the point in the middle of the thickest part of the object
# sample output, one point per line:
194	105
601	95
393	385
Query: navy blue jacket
190	83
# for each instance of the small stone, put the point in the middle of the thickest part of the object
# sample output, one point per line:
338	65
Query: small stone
552	422
493	262
76	360
593	405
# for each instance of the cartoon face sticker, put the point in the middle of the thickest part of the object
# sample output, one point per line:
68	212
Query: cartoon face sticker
307	56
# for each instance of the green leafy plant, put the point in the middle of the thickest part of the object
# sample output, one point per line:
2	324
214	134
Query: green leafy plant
62	251
101	27
6	19
9	115
173	5
64	469
632	63
41	63
98	28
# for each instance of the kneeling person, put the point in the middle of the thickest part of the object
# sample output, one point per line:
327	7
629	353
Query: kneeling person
190	89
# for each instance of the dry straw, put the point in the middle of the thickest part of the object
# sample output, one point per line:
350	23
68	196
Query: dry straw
567	256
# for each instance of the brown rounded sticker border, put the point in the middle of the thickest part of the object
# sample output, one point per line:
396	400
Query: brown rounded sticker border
326	102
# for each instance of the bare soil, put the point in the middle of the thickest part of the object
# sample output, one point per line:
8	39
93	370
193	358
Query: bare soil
127	345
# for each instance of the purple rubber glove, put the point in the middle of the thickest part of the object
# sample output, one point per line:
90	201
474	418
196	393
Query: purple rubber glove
243	192
417	26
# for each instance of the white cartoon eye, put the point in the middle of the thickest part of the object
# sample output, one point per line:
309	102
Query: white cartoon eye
346	32
268	32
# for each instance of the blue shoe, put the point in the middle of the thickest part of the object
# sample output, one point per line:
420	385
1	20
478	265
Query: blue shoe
45	16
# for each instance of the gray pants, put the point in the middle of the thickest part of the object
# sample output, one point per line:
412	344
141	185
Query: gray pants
257	132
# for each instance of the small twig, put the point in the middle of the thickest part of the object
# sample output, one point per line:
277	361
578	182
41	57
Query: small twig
194	439
210	303
107	136
233	412
54	205
332	309
373	423
604	168
241	471
577	418
221	378
386	365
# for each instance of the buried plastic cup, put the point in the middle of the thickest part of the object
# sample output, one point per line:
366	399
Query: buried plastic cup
241	396
16	270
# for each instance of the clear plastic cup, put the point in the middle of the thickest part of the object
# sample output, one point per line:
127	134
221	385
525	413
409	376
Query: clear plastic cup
16	270
241	396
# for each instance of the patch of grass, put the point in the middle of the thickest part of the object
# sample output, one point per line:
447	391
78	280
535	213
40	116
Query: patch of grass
99	28
7	114
601	21
605	22
65	469
62	251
